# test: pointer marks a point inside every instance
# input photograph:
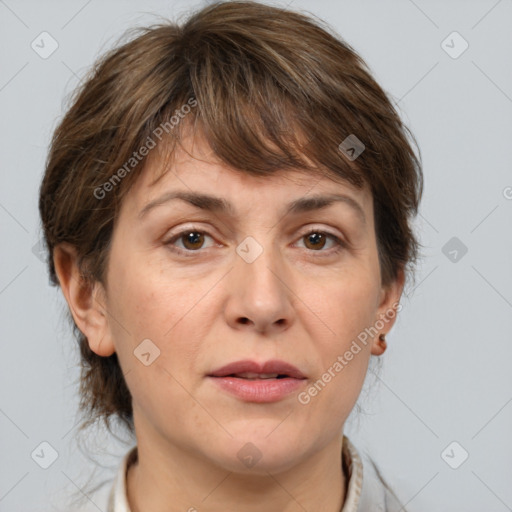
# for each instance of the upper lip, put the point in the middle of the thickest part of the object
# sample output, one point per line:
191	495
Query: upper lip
271	366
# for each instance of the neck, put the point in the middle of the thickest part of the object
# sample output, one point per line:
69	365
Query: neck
161	477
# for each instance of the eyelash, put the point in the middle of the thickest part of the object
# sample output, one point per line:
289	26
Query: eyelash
340	245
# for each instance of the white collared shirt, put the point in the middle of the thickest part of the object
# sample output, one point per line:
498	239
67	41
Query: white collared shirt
365	490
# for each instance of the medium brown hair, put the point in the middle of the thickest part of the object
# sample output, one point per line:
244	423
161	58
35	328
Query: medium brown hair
270	89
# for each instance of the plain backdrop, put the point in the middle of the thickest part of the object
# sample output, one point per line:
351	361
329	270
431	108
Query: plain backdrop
445	390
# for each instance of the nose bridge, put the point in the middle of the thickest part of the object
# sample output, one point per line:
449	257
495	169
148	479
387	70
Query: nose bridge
258	291
260	265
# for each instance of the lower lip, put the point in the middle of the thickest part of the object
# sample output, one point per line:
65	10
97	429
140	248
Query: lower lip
259	390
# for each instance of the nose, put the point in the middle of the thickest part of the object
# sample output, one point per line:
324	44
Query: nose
260	295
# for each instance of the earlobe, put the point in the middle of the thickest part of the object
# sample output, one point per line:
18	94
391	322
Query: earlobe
380	346
387	312
85	300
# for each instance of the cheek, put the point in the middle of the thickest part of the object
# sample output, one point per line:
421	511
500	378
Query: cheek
175	320
347	308
348	304
146	300
169	311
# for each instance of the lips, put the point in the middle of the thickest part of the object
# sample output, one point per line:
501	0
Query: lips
253	376
251	370
250	381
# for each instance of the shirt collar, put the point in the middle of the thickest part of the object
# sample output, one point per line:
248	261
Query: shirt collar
351	461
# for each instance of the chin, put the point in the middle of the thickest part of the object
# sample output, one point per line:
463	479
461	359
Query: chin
259	450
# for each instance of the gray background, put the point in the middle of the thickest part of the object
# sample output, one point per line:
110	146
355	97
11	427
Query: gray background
446	375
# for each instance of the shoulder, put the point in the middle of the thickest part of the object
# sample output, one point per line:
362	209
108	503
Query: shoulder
376	494
111	496
92	501
367	490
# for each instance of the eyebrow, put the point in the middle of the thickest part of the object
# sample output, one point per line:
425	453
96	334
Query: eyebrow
218	204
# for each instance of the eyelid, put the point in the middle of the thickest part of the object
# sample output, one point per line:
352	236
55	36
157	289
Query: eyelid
327	231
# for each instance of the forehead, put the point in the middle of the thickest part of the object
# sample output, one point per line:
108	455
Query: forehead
192	167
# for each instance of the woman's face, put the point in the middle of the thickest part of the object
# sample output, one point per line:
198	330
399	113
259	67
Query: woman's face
192	289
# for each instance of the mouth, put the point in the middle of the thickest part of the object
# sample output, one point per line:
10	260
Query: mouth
250	381
257	376
252	370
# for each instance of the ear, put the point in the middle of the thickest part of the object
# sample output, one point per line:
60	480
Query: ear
85	300
387	310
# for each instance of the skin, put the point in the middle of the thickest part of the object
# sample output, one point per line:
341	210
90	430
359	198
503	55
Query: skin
299	302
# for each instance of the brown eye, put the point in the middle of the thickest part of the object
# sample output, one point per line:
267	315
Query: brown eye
192	239
315	240
188	241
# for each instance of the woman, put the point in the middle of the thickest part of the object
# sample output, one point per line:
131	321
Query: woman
227	209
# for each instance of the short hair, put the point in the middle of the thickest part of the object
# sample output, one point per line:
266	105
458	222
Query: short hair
270	89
